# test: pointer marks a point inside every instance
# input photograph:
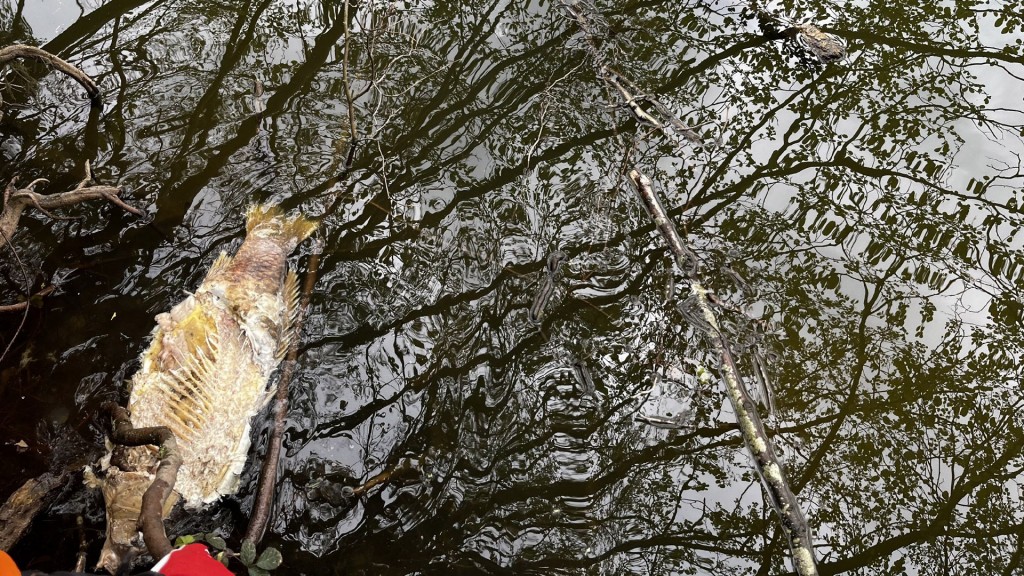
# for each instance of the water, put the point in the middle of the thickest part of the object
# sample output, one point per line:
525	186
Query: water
859	218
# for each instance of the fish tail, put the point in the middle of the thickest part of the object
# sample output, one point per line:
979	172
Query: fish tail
295	227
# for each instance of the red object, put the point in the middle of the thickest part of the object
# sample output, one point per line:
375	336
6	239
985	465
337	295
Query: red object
7	566
191	560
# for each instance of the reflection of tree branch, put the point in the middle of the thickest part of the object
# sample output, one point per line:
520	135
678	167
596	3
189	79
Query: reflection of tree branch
353	133
873	38
842	415
88	24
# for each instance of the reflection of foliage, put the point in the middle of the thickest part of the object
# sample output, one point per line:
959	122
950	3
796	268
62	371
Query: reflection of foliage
870	206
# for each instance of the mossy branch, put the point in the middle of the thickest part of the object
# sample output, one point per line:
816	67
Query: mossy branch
755	437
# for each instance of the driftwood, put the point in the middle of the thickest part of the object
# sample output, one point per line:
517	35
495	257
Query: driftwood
22	51
17	200
21	508
759	445
151	521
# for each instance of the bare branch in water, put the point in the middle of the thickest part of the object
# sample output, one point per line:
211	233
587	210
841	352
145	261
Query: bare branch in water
268	473
16	201
22	51
151	520
759	445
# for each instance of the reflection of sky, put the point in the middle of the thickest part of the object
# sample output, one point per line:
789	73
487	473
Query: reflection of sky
364	347
47	18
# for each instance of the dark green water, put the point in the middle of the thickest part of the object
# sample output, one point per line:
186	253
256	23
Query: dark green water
862	217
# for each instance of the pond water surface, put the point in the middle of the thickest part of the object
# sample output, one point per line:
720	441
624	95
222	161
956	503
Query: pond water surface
857	219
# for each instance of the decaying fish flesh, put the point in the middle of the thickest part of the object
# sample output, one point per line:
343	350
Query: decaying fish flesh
205	375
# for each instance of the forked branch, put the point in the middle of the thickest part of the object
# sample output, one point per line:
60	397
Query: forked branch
17	200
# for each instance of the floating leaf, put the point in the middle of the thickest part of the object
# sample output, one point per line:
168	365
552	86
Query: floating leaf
216	542
248	552
269	559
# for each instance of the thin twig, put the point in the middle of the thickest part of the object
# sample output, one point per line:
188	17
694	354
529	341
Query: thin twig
352	132
5	239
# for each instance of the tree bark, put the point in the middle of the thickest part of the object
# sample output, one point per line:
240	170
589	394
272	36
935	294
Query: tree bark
23	51
21	508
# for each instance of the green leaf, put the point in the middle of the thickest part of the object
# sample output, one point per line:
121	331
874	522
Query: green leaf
184	540
269	559
256	571
216	541
248	555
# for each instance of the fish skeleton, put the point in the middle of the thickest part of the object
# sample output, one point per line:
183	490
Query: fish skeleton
205	374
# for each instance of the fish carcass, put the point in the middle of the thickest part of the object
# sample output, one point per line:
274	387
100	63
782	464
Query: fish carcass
205	375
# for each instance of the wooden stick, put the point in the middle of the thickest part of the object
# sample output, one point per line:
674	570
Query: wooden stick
264	502
755	437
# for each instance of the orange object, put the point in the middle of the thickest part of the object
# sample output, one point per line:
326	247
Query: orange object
7	565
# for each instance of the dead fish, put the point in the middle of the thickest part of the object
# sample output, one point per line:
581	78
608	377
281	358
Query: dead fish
822	45
205	374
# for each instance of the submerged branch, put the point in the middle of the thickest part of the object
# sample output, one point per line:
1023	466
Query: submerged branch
31	300
755	437
23	51
17	200
264	502
151	517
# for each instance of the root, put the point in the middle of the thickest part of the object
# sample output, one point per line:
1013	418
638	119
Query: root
151	521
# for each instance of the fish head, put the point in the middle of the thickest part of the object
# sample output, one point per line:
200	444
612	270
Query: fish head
122	493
